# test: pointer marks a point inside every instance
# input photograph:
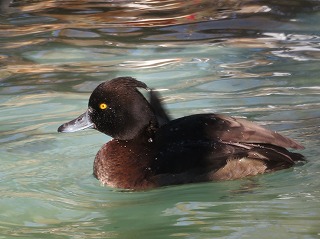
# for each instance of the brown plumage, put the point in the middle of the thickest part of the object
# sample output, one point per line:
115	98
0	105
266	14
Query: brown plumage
150	150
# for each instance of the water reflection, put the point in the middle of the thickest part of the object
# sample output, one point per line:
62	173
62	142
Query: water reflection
256	59
109	32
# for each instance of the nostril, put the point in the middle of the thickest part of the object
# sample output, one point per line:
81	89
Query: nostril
90	110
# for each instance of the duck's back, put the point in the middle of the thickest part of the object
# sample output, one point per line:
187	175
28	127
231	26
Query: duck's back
208	147
222	128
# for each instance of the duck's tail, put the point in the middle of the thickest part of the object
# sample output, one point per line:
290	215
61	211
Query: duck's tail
275	157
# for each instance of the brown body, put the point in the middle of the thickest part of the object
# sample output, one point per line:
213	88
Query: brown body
150	150
189	150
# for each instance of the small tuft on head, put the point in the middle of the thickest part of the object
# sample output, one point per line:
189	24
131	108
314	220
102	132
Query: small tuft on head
126	81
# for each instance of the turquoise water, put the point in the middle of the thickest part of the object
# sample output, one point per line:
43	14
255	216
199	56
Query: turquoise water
254	59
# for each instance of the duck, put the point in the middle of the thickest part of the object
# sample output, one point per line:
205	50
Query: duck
148	149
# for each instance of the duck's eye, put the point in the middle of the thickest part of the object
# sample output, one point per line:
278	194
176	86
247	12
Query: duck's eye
103	106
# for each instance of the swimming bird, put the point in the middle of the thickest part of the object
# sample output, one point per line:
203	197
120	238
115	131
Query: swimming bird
150	150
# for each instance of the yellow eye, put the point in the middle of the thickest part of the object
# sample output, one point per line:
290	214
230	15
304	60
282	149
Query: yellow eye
103	106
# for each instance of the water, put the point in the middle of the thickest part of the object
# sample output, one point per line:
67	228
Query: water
254	59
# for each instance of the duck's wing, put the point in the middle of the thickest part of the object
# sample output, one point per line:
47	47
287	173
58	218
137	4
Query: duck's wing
227	147
241	130
227	129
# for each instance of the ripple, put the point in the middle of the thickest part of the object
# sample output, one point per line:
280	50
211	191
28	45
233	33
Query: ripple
251	59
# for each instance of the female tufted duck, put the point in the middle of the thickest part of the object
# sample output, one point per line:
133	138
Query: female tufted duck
150	150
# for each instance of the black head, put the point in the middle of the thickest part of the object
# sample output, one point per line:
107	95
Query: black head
117	108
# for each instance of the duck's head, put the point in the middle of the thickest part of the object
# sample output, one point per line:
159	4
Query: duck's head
118	109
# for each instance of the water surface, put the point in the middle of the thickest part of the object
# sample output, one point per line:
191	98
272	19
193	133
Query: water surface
254	59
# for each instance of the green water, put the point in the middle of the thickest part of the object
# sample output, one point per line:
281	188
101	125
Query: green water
254	59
